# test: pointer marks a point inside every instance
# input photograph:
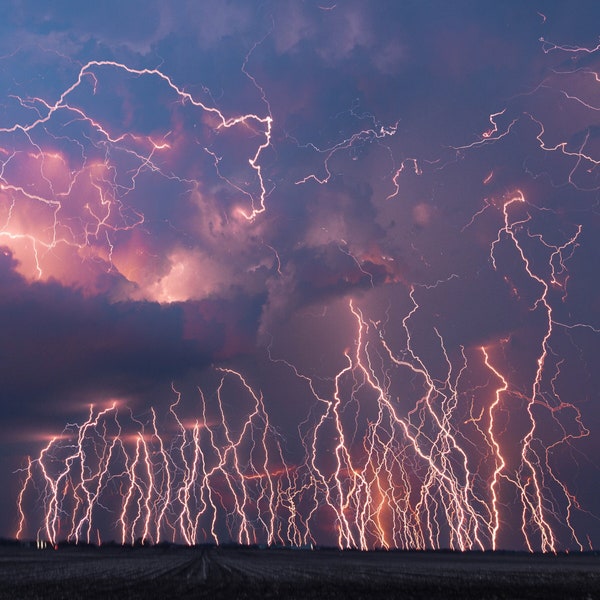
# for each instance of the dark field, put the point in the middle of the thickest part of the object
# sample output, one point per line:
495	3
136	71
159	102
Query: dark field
174	572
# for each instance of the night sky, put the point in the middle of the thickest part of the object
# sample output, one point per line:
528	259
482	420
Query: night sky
384	216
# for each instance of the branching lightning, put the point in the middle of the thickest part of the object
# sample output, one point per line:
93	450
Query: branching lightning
46	164
400	450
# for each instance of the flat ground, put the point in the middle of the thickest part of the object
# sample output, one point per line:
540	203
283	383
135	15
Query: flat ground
174	572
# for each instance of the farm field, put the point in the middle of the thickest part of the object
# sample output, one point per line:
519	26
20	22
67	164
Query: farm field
233	572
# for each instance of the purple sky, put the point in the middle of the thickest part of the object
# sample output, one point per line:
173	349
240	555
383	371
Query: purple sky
210	185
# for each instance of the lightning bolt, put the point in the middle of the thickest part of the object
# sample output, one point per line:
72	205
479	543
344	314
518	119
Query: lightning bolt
40	180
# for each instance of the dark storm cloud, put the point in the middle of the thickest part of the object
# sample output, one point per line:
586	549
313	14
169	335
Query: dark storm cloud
66	25
60	346
443	69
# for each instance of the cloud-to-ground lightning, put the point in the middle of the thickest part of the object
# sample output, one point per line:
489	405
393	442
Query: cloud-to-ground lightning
399	453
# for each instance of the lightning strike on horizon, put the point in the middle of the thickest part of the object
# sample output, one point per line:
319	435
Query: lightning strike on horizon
394	469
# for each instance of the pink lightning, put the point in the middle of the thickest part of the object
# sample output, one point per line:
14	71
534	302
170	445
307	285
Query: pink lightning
51	233
389	447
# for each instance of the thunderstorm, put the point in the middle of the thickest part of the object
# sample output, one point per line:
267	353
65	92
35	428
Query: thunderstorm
287	274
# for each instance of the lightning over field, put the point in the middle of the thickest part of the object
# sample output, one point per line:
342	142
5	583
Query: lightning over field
292	274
